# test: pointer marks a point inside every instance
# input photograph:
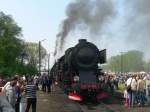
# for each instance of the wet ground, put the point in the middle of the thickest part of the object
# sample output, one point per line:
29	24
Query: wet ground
57	101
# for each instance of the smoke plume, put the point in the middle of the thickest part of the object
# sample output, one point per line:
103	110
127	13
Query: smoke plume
117	25
138	25
90	13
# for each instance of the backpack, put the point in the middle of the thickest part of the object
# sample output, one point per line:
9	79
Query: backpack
129	87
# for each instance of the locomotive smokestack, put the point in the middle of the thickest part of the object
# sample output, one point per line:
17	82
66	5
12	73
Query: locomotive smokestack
82	40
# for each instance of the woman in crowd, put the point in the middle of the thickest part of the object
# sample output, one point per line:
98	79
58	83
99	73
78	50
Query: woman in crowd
22	96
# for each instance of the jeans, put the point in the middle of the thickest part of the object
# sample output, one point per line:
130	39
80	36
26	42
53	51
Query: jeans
148	94
17	107
44	87
132	98
22	105
141	98
48	87
31	101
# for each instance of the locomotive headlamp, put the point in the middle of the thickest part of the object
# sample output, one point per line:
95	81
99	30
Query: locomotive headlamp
100	78
76	78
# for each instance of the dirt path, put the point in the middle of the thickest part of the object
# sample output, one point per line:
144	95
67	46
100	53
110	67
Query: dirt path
57	101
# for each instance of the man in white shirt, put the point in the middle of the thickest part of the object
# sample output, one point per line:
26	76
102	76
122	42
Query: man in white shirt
10	92
132	94
4	104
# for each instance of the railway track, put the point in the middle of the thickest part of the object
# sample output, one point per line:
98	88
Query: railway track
111	104
57	101
98	107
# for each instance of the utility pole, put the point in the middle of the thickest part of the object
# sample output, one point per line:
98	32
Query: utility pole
48	62
121	63
39	57
148	68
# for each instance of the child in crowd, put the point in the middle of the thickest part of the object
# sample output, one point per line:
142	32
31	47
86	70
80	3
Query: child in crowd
126	96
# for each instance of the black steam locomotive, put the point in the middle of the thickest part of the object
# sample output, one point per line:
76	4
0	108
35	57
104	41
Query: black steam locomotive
78	72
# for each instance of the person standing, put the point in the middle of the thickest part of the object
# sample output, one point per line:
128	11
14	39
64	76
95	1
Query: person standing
140	90
116	81
1	83
22	96
36	81
17	88
126	97
147	84
4	104
132	93
110	84
10	91
44	82
30	92
48	83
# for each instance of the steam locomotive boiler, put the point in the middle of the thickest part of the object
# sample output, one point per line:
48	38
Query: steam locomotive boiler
78	71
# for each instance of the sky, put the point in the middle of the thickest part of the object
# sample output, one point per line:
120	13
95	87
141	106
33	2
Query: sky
41	19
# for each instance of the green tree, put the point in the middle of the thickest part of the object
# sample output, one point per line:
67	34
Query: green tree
32	51
147	66
16	56
10	44
130	61
133	61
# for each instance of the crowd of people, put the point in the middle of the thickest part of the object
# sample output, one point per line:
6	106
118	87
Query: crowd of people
136	87
137	90
19	93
